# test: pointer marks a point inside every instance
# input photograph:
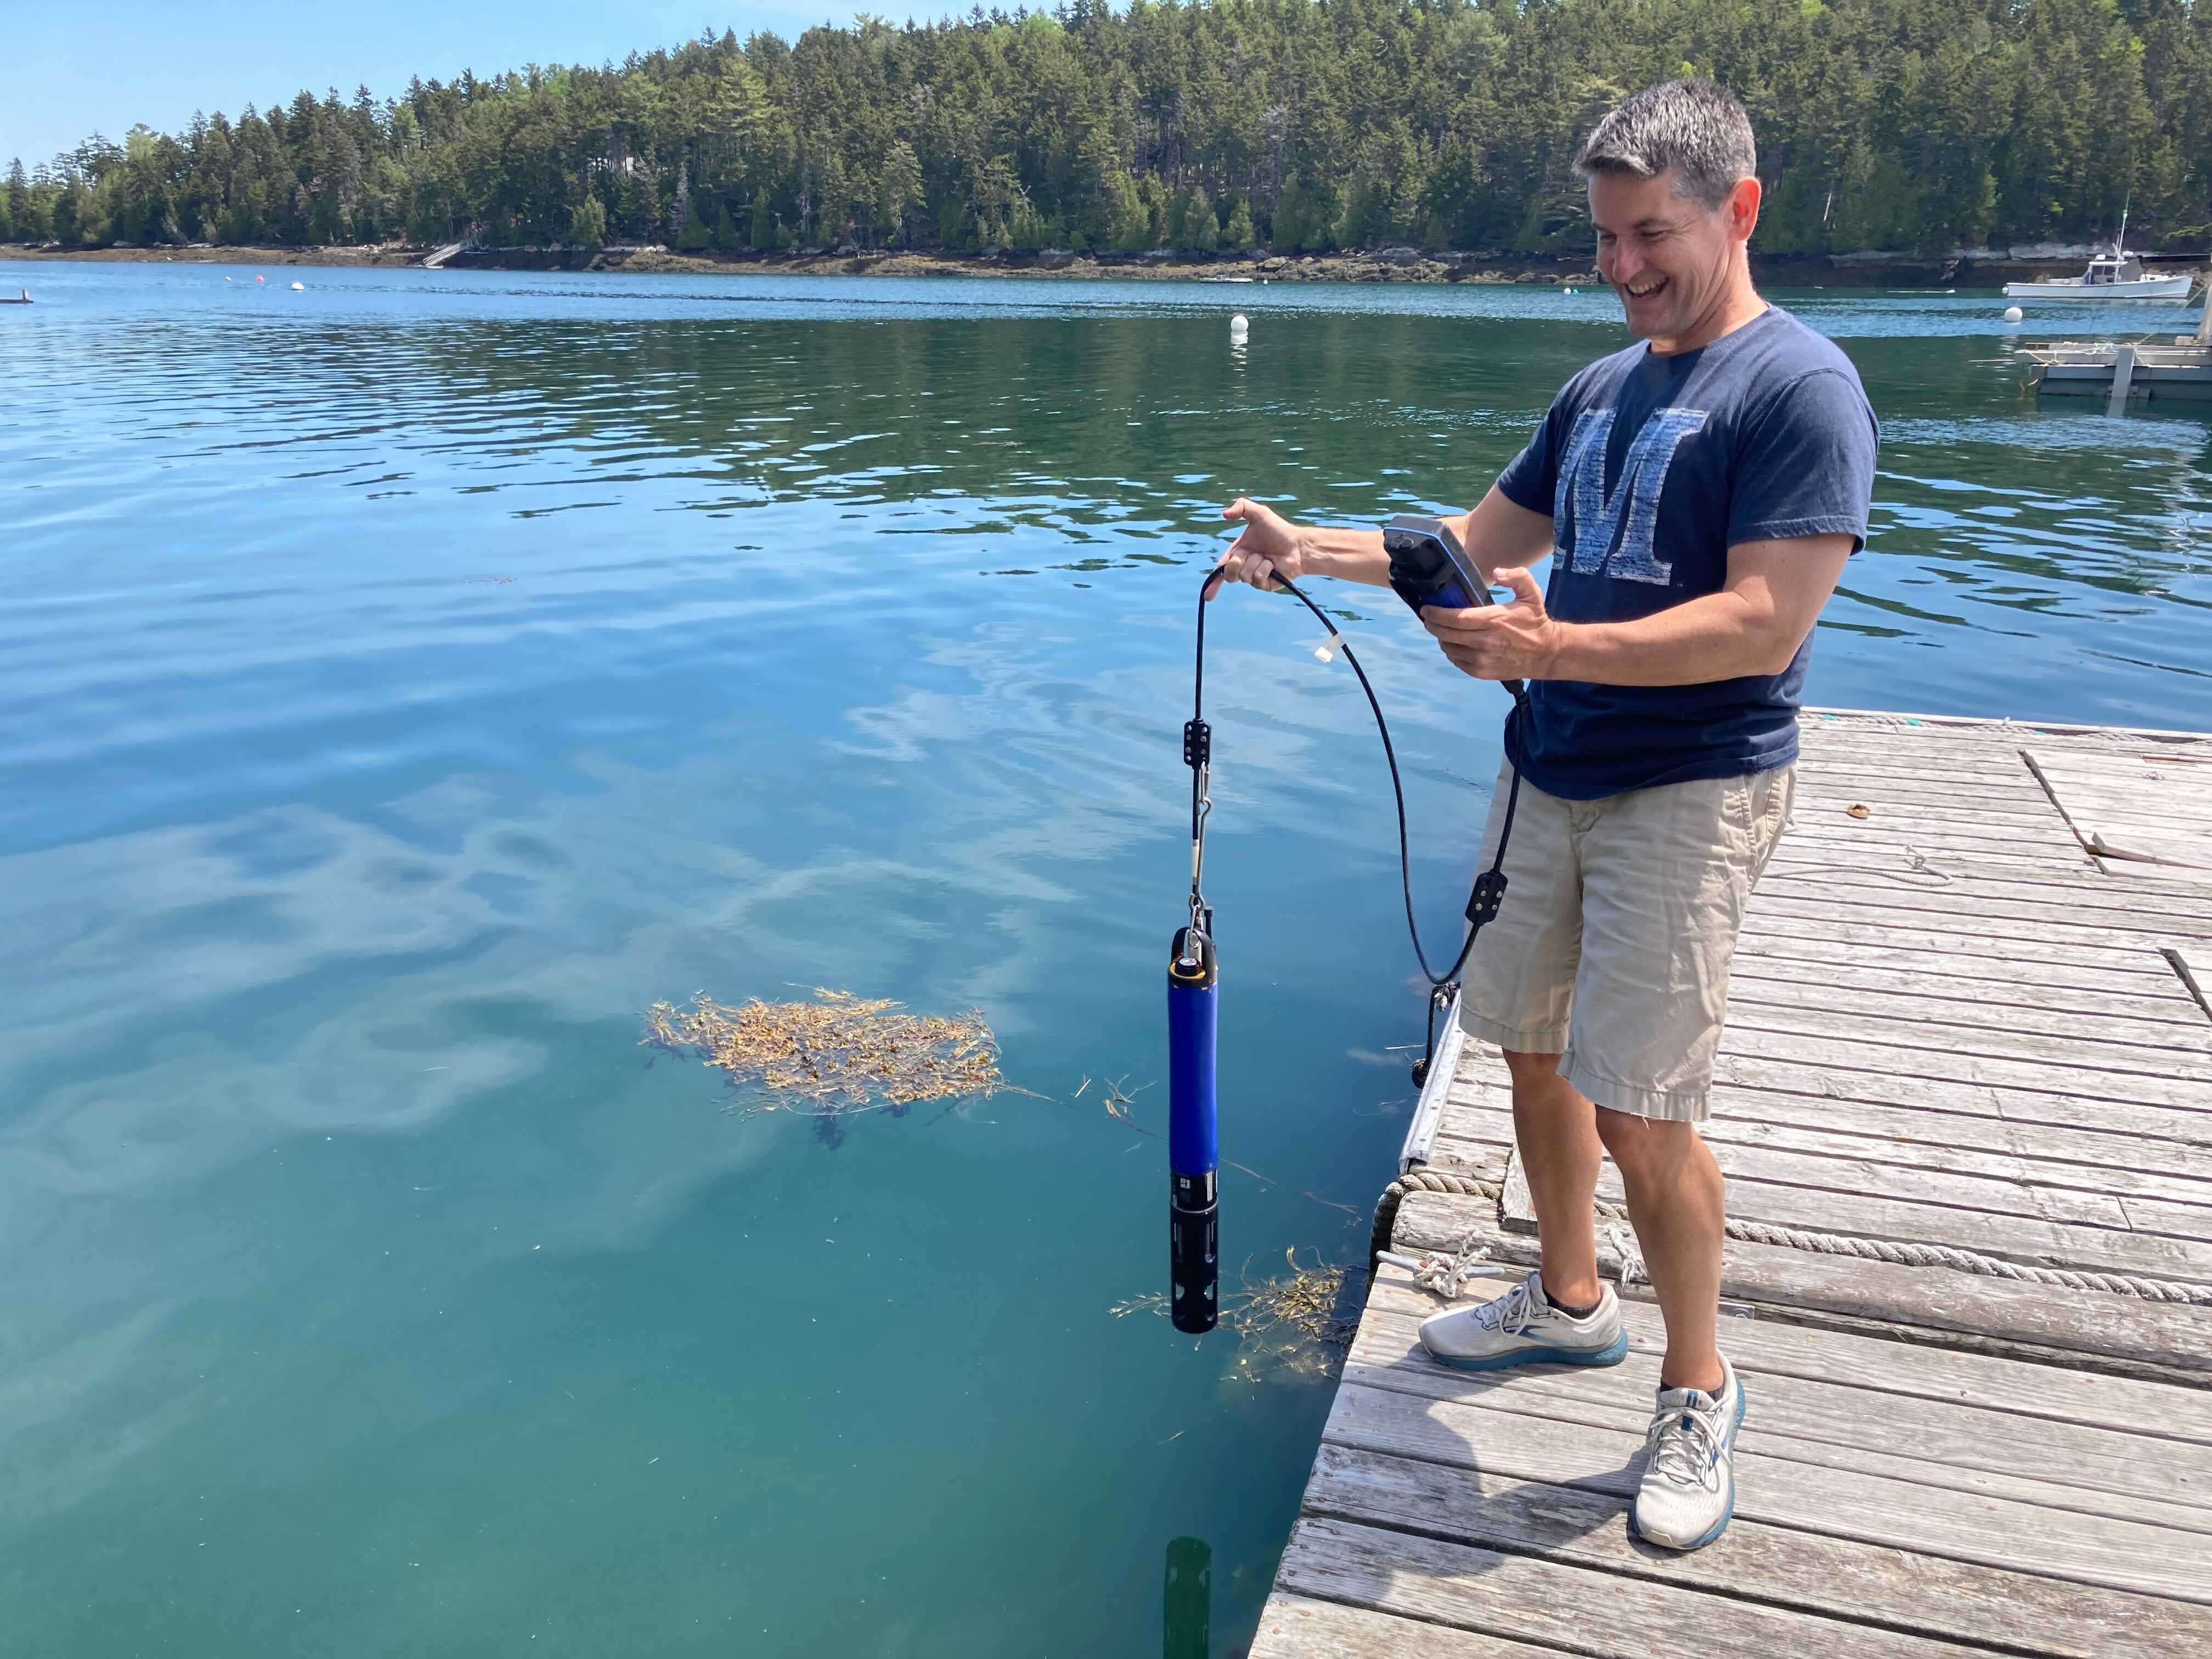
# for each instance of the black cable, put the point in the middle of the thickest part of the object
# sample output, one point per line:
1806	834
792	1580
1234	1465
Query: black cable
1489	886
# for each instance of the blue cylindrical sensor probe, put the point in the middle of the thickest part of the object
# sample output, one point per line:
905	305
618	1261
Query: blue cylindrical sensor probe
1193	1131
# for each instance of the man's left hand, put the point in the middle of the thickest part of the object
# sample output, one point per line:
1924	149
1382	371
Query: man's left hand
1514	641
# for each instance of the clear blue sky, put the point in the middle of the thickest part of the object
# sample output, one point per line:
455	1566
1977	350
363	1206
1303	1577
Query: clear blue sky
70	70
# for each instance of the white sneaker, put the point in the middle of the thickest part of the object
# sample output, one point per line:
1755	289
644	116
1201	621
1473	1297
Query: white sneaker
1521	1328
1688	1492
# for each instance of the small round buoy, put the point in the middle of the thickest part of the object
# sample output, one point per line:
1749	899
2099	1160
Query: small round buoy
298	287
258	277
1238	328
2013	313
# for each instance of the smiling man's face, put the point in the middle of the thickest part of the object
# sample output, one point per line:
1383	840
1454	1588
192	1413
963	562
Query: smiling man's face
1672	260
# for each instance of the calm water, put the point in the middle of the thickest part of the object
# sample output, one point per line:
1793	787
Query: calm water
408	681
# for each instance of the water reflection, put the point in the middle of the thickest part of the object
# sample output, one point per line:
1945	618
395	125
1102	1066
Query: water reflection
1038	434
1187	1600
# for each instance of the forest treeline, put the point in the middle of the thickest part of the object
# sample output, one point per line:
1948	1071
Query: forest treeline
1301	125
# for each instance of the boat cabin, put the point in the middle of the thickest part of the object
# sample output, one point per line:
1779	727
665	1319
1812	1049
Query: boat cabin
2108	268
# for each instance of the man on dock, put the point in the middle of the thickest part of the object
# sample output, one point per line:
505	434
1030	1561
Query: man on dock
1702	491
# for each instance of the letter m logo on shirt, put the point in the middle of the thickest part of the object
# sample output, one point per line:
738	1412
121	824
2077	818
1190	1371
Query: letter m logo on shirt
1613	532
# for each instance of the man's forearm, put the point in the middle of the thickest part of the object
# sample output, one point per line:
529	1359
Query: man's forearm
1354	556
1721	636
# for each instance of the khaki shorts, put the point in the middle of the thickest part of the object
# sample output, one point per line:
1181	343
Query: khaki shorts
1623	913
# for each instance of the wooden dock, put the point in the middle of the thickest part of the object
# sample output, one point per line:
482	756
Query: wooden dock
1971	1014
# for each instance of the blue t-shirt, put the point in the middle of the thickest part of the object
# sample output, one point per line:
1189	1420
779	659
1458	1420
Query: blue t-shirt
1652	468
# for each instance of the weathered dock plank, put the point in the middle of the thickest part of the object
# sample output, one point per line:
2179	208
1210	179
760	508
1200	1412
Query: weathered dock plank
1769	1347
1565	1440
1837	1578
1798	1125
1968	1126
2137	803
1967	1444
1558	1607
1907	945
1295	1627
2024	1108
1992	994
1969	1016
2088	1330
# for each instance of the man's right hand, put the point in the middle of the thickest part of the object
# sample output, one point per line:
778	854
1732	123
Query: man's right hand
1271	545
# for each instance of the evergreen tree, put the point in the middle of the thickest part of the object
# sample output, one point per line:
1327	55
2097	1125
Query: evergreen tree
1129	224
1198	229
685	231
1030	231
1306	218
1237	233
587	224
956	227
898	191
76	221
20	205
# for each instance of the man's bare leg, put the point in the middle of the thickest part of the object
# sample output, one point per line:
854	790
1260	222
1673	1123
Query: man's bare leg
1557	1132
1676	1201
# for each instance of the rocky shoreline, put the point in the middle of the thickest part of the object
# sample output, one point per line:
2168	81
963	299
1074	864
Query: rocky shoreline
1389	264
1398	264
206	254
1384	266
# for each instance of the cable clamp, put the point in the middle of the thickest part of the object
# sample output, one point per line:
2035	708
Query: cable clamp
1197	743
1326	650
1489	893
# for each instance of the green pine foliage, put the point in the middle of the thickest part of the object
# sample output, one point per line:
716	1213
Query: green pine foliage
1128	220
1305	217
587	224
1191	226
30	214
1029	231
898	195
1906	124
1237	233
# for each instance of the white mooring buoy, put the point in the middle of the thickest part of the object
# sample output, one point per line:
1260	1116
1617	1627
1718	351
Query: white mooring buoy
2013	313
1238	328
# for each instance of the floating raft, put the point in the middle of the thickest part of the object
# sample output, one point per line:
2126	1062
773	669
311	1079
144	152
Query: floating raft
2117	371
1973	1017
2180	371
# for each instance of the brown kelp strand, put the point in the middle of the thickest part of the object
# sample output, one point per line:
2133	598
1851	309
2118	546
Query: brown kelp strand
837	1054
1296	1326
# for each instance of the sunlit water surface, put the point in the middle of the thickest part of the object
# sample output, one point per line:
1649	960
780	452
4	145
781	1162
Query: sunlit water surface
408	680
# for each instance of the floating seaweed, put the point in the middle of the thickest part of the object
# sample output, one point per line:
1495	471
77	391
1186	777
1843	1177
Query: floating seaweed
1296	1326
835	1055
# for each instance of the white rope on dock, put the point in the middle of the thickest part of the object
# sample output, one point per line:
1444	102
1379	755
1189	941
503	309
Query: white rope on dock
1443	1274
1971	1261
1442	1181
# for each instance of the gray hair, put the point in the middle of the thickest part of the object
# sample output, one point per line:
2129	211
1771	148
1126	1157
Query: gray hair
1695	128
